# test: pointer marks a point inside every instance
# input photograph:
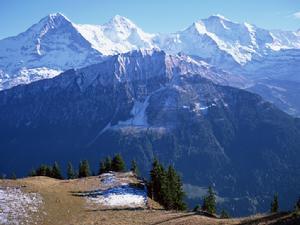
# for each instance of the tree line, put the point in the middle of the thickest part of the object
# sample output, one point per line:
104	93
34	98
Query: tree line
116	164
165	185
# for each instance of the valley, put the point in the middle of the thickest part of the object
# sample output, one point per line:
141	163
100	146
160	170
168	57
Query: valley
217	100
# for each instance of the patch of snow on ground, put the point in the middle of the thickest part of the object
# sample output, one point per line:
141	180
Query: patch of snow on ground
108	179
16	206
119	194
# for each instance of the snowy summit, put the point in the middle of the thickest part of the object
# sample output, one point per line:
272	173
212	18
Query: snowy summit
56	44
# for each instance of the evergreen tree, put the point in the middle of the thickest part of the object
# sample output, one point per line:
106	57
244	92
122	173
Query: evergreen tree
32	173
13	176
209	202
56	173
173	194
48	171
84	169
118	164
165	187
102	167
157	182
44	170
224	215
41	171
134	167
275	204
196	208
70	171
105	165
108	164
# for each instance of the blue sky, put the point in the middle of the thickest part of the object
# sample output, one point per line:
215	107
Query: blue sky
151	15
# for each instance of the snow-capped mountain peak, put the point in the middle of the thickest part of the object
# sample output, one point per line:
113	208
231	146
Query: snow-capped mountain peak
119	35
56	18
52	21
120	22
216	37
43	51
120	28
217	20
55	44
219	16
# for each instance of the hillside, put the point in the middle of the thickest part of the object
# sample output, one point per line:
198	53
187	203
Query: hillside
144	104
47	201
154	104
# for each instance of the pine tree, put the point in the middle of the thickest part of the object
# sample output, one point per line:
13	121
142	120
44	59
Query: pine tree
102	168
134	167
84	169
48	171
224	215
108	164
32	173
56	173
158	185
174	193
70	171
165	187
44	170
41	171
179	204
118	164
157	182
196	208
209	202
13	176
275	204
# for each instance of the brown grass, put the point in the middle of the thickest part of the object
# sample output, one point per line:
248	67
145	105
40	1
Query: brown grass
61	206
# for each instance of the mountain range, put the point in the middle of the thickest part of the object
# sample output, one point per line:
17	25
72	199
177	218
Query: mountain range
262	57
145	104
208	99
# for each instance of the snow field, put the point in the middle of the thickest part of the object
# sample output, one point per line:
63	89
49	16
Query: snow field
16	206
119	194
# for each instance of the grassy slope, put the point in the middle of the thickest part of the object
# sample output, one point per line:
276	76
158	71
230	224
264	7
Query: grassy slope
61	206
